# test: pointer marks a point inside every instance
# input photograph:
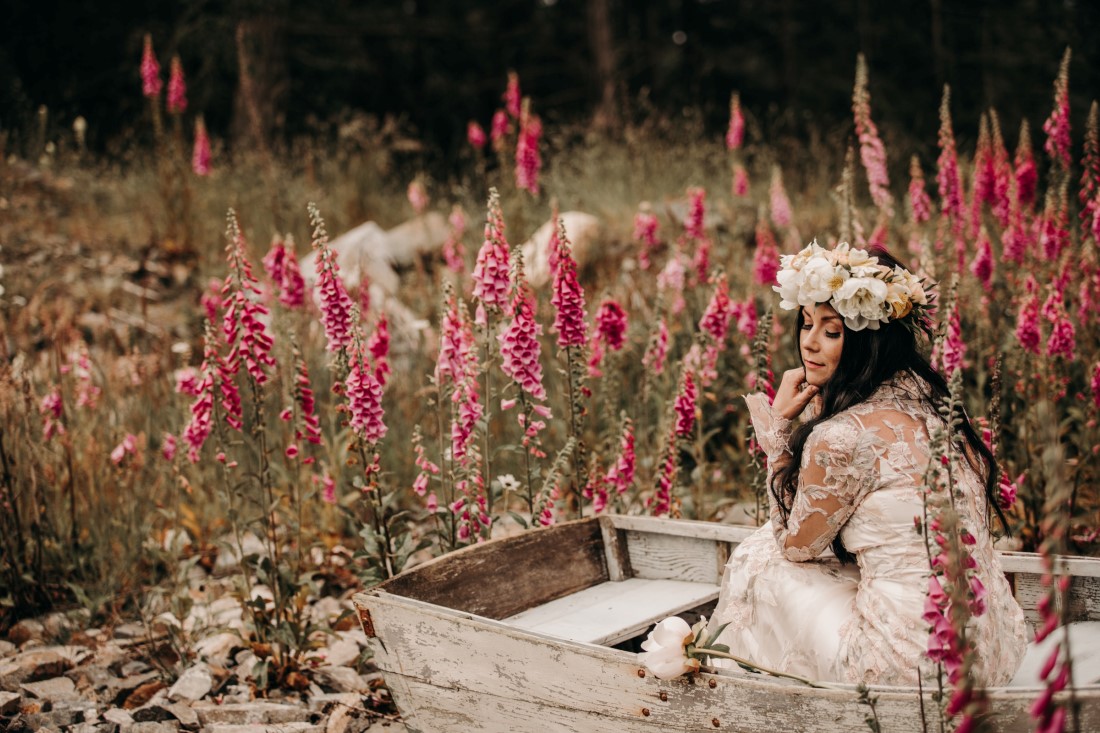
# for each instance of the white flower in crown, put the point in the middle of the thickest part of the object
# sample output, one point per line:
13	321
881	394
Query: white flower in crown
862	303
864	292
790	276
821	280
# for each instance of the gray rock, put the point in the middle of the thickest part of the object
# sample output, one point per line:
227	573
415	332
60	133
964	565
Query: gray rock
230	556
344	712
187	717
326	610
341	653
26	630
161	726
61	624
38	664
129	631
117	690
250	713
299	727
89	728
339	679
132	667
152	713
57	688
217	647
192	685
118	716
9	703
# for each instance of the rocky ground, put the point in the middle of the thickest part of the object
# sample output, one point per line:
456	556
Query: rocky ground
116	680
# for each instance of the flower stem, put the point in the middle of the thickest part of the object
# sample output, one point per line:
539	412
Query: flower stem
753	666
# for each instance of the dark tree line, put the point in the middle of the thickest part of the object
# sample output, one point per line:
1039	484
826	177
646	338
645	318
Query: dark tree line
438	64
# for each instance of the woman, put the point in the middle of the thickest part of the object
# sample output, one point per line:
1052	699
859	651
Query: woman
852	475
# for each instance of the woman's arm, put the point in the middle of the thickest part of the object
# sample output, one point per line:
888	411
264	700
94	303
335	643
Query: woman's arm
839	468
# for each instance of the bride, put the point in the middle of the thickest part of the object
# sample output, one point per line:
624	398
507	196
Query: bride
851	475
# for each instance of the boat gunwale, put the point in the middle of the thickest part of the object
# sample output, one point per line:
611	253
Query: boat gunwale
836	690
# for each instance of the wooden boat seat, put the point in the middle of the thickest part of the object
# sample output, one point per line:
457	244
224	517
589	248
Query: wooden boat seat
614	611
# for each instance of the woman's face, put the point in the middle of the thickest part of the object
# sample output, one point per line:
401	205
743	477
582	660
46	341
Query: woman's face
820	342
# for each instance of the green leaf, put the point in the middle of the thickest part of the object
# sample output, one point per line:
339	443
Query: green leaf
714	636
519	520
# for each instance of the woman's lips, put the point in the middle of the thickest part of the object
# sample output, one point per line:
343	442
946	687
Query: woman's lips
813	365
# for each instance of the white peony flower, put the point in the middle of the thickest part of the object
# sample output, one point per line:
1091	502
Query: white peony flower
665	654
822	280
862	303
790	283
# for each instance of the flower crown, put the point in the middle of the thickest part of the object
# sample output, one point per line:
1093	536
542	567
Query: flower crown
865	293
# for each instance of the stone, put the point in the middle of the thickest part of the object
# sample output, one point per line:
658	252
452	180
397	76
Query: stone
26	630
63	624
193	684
339	679
341	653
298	727
36	664
142	694
117	689
54	689
217	647
160	726
87	728
129	631
118	716
222	613
229	558
251	713
326	610
133	667
9	703
343	710
582	230
152	713
187	717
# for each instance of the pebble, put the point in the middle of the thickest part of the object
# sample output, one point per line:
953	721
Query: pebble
192	684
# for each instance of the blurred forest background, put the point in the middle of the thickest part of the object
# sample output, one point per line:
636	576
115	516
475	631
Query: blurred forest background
434	65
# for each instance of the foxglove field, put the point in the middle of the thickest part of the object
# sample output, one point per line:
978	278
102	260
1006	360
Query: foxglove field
329	416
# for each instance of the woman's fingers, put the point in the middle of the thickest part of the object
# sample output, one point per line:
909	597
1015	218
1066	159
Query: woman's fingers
793	394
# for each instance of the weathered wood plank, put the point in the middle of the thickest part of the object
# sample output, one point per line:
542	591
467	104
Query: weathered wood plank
673	556
618	559
456	666
1084	596
501	578
683	528
615	611
1029	562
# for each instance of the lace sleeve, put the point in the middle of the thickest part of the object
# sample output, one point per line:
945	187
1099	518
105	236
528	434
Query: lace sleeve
772	429
839	468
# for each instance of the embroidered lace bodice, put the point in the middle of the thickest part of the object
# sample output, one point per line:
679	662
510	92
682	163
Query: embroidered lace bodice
861	475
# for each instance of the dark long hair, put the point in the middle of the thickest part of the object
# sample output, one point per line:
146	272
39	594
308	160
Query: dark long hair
868	359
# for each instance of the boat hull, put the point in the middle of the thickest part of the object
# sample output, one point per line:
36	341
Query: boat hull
452	670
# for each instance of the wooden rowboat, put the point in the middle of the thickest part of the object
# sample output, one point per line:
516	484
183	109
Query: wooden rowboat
520	634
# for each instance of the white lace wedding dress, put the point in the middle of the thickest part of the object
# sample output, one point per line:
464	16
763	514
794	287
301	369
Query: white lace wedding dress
792	609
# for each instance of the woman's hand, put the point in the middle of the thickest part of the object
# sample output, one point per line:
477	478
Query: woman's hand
793	394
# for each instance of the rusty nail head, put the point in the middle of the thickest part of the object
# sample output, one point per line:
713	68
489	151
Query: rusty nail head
713	684
645	712
641	673
663	696
715	722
